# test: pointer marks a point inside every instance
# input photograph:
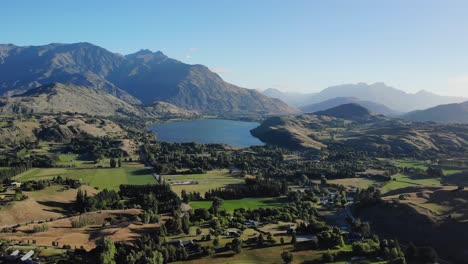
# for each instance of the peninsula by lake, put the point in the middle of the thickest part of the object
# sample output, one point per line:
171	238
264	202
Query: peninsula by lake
229	132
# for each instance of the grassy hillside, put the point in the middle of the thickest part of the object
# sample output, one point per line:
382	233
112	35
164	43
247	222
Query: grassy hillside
377	135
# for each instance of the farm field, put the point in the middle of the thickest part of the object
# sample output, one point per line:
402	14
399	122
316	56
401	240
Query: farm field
110	178
448	170
266	255
246	203
40	205
403	181
62	232
211	180
361	183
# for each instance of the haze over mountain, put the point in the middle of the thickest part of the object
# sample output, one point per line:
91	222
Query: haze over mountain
371	106
450	113
379	93
142	77
292	98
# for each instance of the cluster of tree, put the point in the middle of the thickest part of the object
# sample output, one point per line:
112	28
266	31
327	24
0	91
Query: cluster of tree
264	161
96	148
368	196
252	188
113	163
287	213
103	200
13	168
421	254
158	196
385	249
190	196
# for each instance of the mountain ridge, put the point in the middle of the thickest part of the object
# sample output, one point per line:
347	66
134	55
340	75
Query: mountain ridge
141	77
62	98
379	93
371	106
448	113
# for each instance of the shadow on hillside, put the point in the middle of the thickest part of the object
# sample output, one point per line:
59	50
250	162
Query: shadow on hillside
140	172
57	207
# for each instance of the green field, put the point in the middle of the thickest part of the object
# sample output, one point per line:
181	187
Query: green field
403	181
448	170
246	203
211	180
110	178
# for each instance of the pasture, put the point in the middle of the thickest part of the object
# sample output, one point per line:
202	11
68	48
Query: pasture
246	203
62	232
422	165
207	181
101	178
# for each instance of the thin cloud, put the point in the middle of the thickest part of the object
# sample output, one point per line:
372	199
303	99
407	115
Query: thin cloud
190	52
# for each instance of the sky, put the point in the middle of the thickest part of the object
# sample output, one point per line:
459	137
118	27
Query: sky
291	45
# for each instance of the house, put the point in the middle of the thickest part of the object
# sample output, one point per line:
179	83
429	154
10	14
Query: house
291	229
178	243
251	223
232	234
27	256
16	184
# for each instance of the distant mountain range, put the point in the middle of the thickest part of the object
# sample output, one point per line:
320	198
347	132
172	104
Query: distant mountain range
378	93
450	113
292	98
371	106
142	77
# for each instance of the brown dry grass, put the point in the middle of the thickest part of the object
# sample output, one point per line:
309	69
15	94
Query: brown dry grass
40	205
61	231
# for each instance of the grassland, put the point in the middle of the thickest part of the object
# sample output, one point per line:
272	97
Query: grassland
61	231
361	183
403	181
50	202
211	180
246	203
93	175
422	165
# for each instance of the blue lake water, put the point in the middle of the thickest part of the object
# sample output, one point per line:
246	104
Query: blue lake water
230	132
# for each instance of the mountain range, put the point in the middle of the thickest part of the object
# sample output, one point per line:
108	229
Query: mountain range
140	78
379	93
61	98
371	106
351	126
450	113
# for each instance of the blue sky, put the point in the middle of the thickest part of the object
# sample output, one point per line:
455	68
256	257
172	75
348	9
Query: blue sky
291	45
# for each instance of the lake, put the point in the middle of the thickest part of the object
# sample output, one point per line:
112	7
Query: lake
229	132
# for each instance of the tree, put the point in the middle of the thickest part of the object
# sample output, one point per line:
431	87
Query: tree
108	252
216	242
260	240
112	163
237	245
217	203
287	257
328	257
293	238
186	223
